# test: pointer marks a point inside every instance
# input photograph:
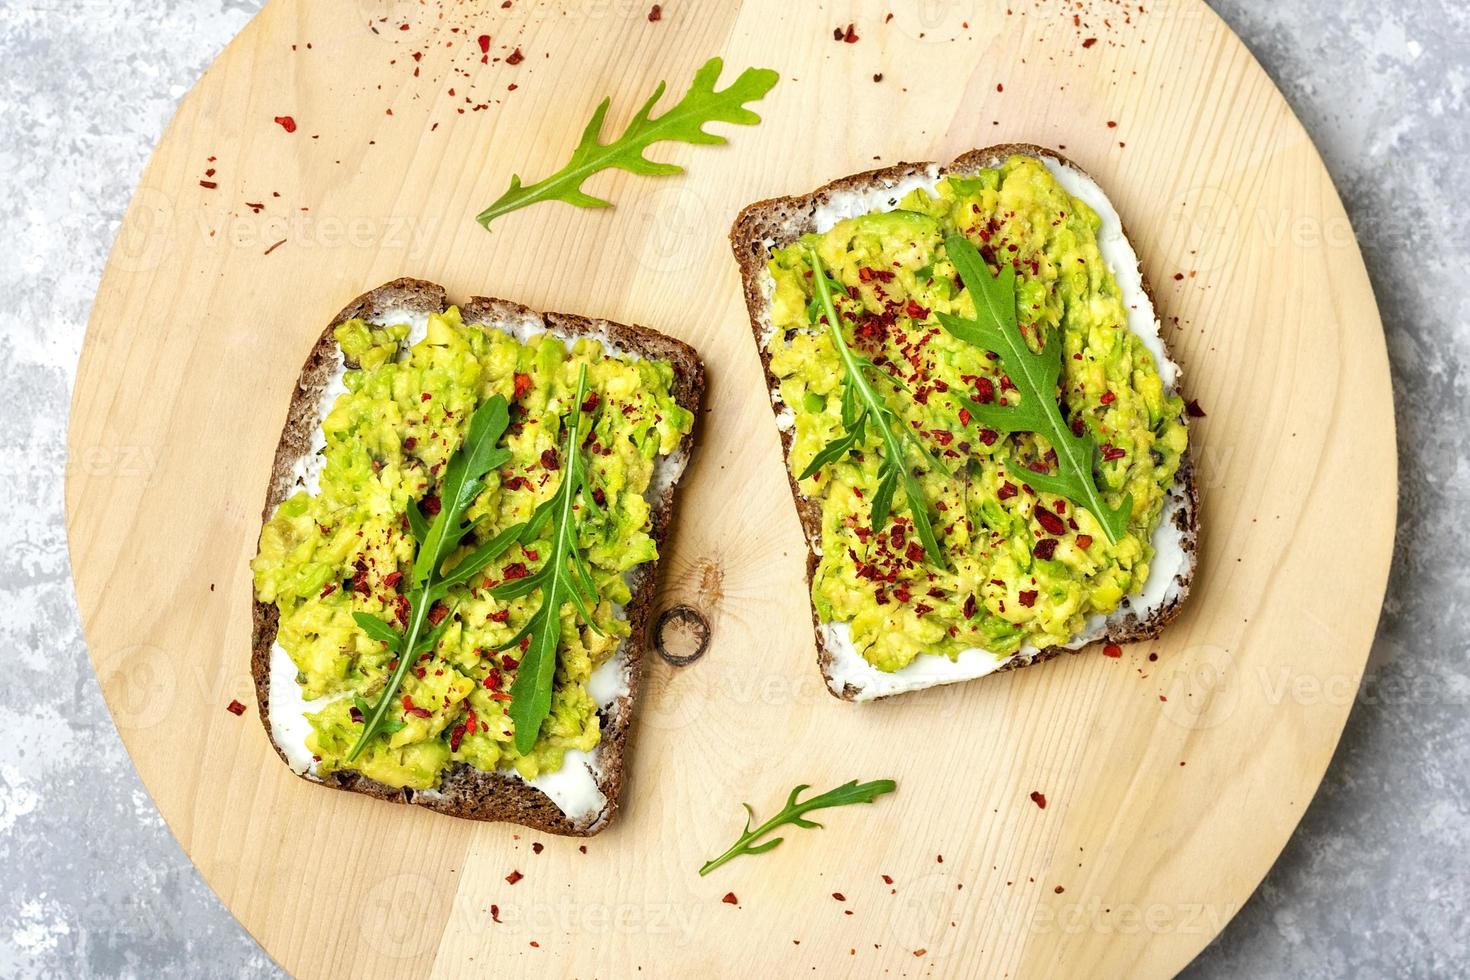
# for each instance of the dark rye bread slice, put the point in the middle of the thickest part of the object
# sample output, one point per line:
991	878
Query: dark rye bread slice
465	791
780	221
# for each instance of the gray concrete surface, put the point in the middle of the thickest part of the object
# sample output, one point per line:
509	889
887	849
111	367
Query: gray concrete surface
1376	882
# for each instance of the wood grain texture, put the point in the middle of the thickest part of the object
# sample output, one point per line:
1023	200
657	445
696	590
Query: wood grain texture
1162	815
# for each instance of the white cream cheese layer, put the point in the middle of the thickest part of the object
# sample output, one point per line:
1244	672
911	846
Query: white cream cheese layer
848	669
574	787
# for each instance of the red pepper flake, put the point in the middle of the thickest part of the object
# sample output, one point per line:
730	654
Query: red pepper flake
430	505
455	737
1192	409
1039	799
969	608
1007	490
921	608
920	952
1045	549
1089	42
1059	889
590	403
839	896
515	57
887	880
286	123
988	436
851	37
1111	453
392	579
1051	522
235	708
1028	598
1084	541
985	390
484	42
537	847
208	185
437	612
513	877
999	87
523	385
426	396
656	14
1112	124
730	899
939	858
328	589
1112	650
1108	398
914	552
535	944
495	914
550	459
515	570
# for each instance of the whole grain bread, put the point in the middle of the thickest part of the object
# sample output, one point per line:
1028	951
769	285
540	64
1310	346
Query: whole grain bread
466	791
769	224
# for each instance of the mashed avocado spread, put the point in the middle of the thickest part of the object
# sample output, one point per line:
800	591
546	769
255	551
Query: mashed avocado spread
348	548
1020	567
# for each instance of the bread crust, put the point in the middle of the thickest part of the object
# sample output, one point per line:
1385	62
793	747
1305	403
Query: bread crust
465	791
779	221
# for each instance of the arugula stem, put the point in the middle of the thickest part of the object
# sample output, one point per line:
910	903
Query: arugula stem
420	610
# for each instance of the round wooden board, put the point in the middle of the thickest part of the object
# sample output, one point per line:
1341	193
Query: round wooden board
1170	785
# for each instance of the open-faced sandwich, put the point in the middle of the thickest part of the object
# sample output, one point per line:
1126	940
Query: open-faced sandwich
458	558
986	442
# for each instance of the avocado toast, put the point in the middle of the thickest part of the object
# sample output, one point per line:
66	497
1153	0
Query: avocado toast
901	414
380	412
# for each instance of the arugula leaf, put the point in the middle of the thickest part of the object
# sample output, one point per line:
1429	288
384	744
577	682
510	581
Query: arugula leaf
684	123
564	578
1035	376
464	477
861	403
793	813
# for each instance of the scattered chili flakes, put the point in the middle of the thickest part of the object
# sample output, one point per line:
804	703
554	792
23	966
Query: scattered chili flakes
495	913
1084	541
208	185
274	247
1059	889
839	896
484	42
730	899
920	952
1112	650
1045	549
235	708
656	14
515	57
286	123
887	879
1028	598
878	77
1039	799
522	385
513	877
537	847
1089	42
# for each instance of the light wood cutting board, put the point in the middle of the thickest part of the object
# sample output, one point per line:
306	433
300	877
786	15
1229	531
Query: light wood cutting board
1171	783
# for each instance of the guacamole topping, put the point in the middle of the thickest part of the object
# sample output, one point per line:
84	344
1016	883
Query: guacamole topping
1020	569
344	546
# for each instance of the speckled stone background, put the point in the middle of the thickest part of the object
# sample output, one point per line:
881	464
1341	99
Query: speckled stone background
1375	883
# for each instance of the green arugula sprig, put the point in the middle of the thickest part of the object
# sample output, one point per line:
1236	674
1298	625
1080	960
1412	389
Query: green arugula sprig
565	577
464	477
1035	377
861	404
793	813
684	123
